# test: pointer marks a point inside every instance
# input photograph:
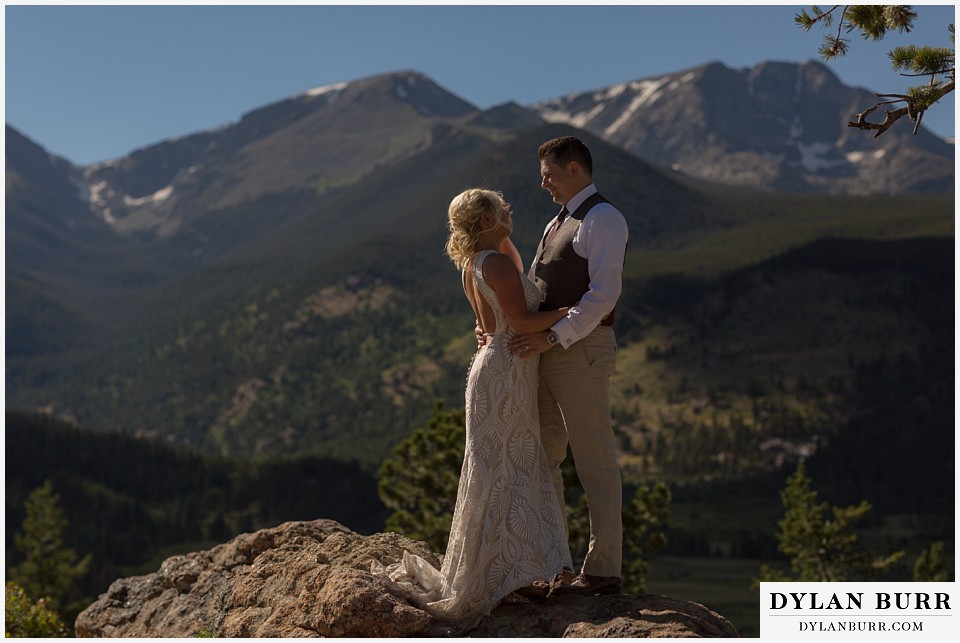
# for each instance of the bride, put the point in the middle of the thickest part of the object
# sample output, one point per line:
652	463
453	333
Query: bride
508	526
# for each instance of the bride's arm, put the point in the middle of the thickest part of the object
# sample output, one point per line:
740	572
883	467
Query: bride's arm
502	275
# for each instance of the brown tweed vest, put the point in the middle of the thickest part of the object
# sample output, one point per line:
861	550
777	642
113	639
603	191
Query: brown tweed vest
561	274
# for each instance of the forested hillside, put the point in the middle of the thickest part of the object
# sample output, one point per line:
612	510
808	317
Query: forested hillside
838	354
746	371
131	502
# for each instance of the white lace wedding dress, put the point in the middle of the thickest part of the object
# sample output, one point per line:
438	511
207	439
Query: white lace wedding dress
507	529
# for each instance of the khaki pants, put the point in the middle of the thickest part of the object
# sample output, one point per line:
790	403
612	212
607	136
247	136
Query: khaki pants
575	407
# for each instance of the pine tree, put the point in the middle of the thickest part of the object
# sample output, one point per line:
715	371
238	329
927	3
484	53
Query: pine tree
419	483
873	22
929	567
823	549
50	569
642	518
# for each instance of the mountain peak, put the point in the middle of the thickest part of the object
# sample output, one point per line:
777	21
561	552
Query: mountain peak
776	125
417	90
508	116
324	137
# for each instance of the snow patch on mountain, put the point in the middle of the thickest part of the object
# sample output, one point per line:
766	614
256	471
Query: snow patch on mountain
813	156
326	89
98	200
160	195
645	93
648	91
611	93
857	157
577	120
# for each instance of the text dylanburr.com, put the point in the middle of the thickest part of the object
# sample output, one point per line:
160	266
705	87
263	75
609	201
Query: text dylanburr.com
908	611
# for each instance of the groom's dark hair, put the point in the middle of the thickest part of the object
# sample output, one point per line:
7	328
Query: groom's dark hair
566	149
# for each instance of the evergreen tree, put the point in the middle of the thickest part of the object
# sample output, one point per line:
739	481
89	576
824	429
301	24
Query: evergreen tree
929	567
823	549
419	483
873	22
50	568
642	518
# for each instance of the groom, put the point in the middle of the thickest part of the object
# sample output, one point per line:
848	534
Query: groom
579	263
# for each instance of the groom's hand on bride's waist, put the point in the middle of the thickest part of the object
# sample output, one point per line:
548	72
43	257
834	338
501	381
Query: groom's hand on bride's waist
530	344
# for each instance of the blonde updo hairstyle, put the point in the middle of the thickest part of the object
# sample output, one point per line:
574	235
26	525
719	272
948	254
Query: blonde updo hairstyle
464	222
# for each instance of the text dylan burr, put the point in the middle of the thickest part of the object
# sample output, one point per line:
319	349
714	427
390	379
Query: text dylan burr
855	601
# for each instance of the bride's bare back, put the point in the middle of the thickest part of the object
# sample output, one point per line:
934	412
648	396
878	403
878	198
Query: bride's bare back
502	275
481	308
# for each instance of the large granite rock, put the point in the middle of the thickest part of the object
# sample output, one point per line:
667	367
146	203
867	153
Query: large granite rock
312	579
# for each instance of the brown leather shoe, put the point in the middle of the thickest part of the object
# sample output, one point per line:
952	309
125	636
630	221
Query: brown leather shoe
586	585
537	591
564	577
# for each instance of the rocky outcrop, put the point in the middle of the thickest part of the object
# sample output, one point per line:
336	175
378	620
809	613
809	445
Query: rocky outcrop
312	579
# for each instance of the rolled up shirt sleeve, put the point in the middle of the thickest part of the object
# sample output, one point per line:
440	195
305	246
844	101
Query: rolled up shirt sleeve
602	240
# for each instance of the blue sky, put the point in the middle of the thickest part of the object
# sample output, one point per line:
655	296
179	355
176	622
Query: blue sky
92	83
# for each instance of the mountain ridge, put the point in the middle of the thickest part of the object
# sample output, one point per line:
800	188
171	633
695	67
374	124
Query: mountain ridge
142	194
711	144
777	125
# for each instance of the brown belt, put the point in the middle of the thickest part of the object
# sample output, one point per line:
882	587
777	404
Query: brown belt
608	320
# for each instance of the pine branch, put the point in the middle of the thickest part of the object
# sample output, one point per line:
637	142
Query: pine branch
806	22
929	73
911	109
839	47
